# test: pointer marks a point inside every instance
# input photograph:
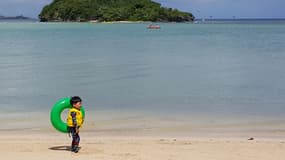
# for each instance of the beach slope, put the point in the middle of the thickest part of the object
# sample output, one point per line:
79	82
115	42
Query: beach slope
52	146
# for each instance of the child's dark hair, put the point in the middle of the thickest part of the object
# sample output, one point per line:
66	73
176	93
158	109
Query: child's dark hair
75	100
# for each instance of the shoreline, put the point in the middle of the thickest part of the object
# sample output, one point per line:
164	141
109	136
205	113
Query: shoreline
121	128
111	123
117	22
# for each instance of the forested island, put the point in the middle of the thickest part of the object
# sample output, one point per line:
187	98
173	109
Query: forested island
111	10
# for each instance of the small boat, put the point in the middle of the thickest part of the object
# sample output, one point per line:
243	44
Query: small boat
152	26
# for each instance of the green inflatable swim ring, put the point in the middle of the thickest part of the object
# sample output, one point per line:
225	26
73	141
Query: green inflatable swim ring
55	114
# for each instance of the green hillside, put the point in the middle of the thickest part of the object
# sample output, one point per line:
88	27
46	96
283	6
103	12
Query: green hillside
111	10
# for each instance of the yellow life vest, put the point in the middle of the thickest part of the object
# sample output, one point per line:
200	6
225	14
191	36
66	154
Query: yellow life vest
79	118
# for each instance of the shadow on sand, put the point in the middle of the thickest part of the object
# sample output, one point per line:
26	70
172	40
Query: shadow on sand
61	148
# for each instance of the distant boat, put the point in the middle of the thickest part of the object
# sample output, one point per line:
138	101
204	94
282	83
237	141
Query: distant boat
153	26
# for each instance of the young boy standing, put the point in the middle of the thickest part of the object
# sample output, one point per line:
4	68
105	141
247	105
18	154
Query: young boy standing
74	122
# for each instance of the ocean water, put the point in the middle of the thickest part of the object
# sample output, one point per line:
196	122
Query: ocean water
184	70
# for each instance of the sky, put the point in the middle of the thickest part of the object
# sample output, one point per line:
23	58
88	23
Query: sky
200	8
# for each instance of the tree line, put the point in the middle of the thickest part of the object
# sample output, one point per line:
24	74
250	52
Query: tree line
111	10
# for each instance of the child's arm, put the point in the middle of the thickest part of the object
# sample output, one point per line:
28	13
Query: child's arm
73	115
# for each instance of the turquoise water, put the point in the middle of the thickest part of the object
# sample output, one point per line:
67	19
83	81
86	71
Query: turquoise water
182	69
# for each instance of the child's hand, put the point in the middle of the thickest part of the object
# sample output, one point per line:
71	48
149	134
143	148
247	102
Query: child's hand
77	130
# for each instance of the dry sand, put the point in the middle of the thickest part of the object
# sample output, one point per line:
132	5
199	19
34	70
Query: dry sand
38	145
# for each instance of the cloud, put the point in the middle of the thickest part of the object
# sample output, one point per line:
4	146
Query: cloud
29	8
229	8
201	2
25	1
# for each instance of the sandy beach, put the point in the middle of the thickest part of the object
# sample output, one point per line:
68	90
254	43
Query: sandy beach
52	145
132	138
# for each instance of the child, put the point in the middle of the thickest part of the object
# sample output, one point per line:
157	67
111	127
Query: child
74	122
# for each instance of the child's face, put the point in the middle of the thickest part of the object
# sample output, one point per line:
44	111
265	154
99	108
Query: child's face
77	105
